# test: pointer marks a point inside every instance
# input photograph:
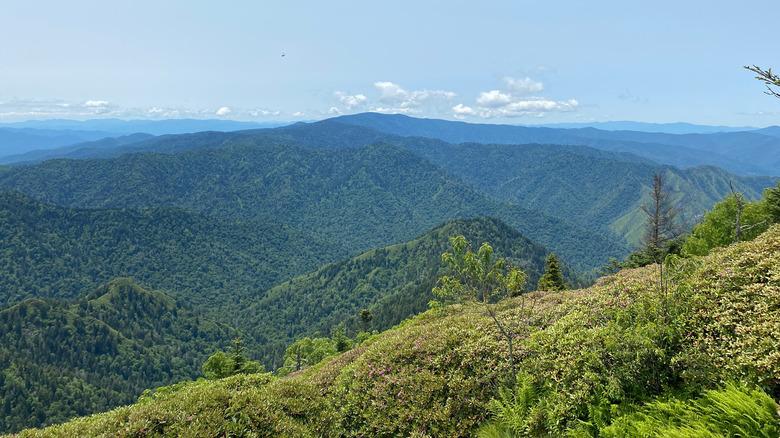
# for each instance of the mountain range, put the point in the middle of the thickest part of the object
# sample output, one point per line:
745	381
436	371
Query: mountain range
279	233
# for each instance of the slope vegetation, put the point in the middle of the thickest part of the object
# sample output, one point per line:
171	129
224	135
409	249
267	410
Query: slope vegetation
585	356
394	282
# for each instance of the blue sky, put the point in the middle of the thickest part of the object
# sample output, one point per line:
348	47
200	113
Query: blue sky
517	62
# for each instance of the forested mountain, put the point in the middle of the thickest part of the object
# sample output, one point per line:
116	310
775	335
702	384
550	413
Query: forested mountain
597	189
48	251
759	154
623	358
66	358
394	282
356	198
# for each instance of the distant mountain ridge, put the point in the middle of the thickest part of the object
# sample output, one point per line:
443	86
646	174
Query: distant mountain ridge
603	189
37	136
677	150
745	151
667	128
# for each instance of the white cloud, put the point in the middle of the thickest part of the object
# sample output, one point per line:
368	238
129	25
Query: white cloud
513	101
493	98
96	103
335	111
523	86
223	111
391	92
395	110
461	111
350	102
264	113
406	102
297	114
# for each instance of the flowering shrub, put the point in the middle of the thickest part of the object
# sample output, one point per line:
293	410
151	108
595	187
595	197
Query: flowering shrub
587	357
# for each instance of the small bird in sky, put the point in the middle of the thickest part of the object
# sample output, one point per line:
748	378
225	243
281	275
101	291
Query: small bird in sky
283	55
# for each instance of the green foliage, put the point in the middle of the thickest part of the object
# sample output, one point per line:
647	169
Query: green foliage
305	353
477	276
519	411
54	252
221	365
771	203
60	359
587	359
391	194
552	280
717	228
393	282
734	411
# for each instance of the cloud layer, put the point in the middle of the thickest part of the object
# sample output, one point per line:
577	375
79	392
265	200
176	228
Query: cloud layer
514	98
27	109
518	97
392	99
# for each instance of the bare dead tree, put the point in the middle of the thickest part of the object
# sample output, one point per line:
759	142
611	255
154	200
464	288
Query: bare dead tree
738	227
661	226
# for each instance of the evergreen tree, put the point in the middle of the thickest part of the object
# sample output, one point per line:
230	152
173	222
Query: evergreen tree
365	319
220	365
772	203
552	280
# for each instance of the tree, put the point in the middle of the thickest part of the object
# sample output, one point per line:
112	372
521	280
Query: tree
771	203
220	365
306	352
217	366
718	227
340	340
552	280
661	227
483	276
768	78
365	319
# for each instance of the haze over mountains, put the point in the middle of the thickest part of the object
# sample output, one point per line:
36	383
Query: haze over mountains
284	232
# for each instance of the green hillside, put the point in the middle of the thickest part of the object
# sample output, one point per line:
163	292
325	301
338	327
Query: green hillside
394	282
599	190
596	189
355	198
588	360
66	358
49	251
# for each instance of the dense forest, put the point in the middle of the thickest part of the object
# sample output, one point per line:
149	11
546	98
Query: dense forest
393	282
127	272
55	252
624	357
67	358
354	198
